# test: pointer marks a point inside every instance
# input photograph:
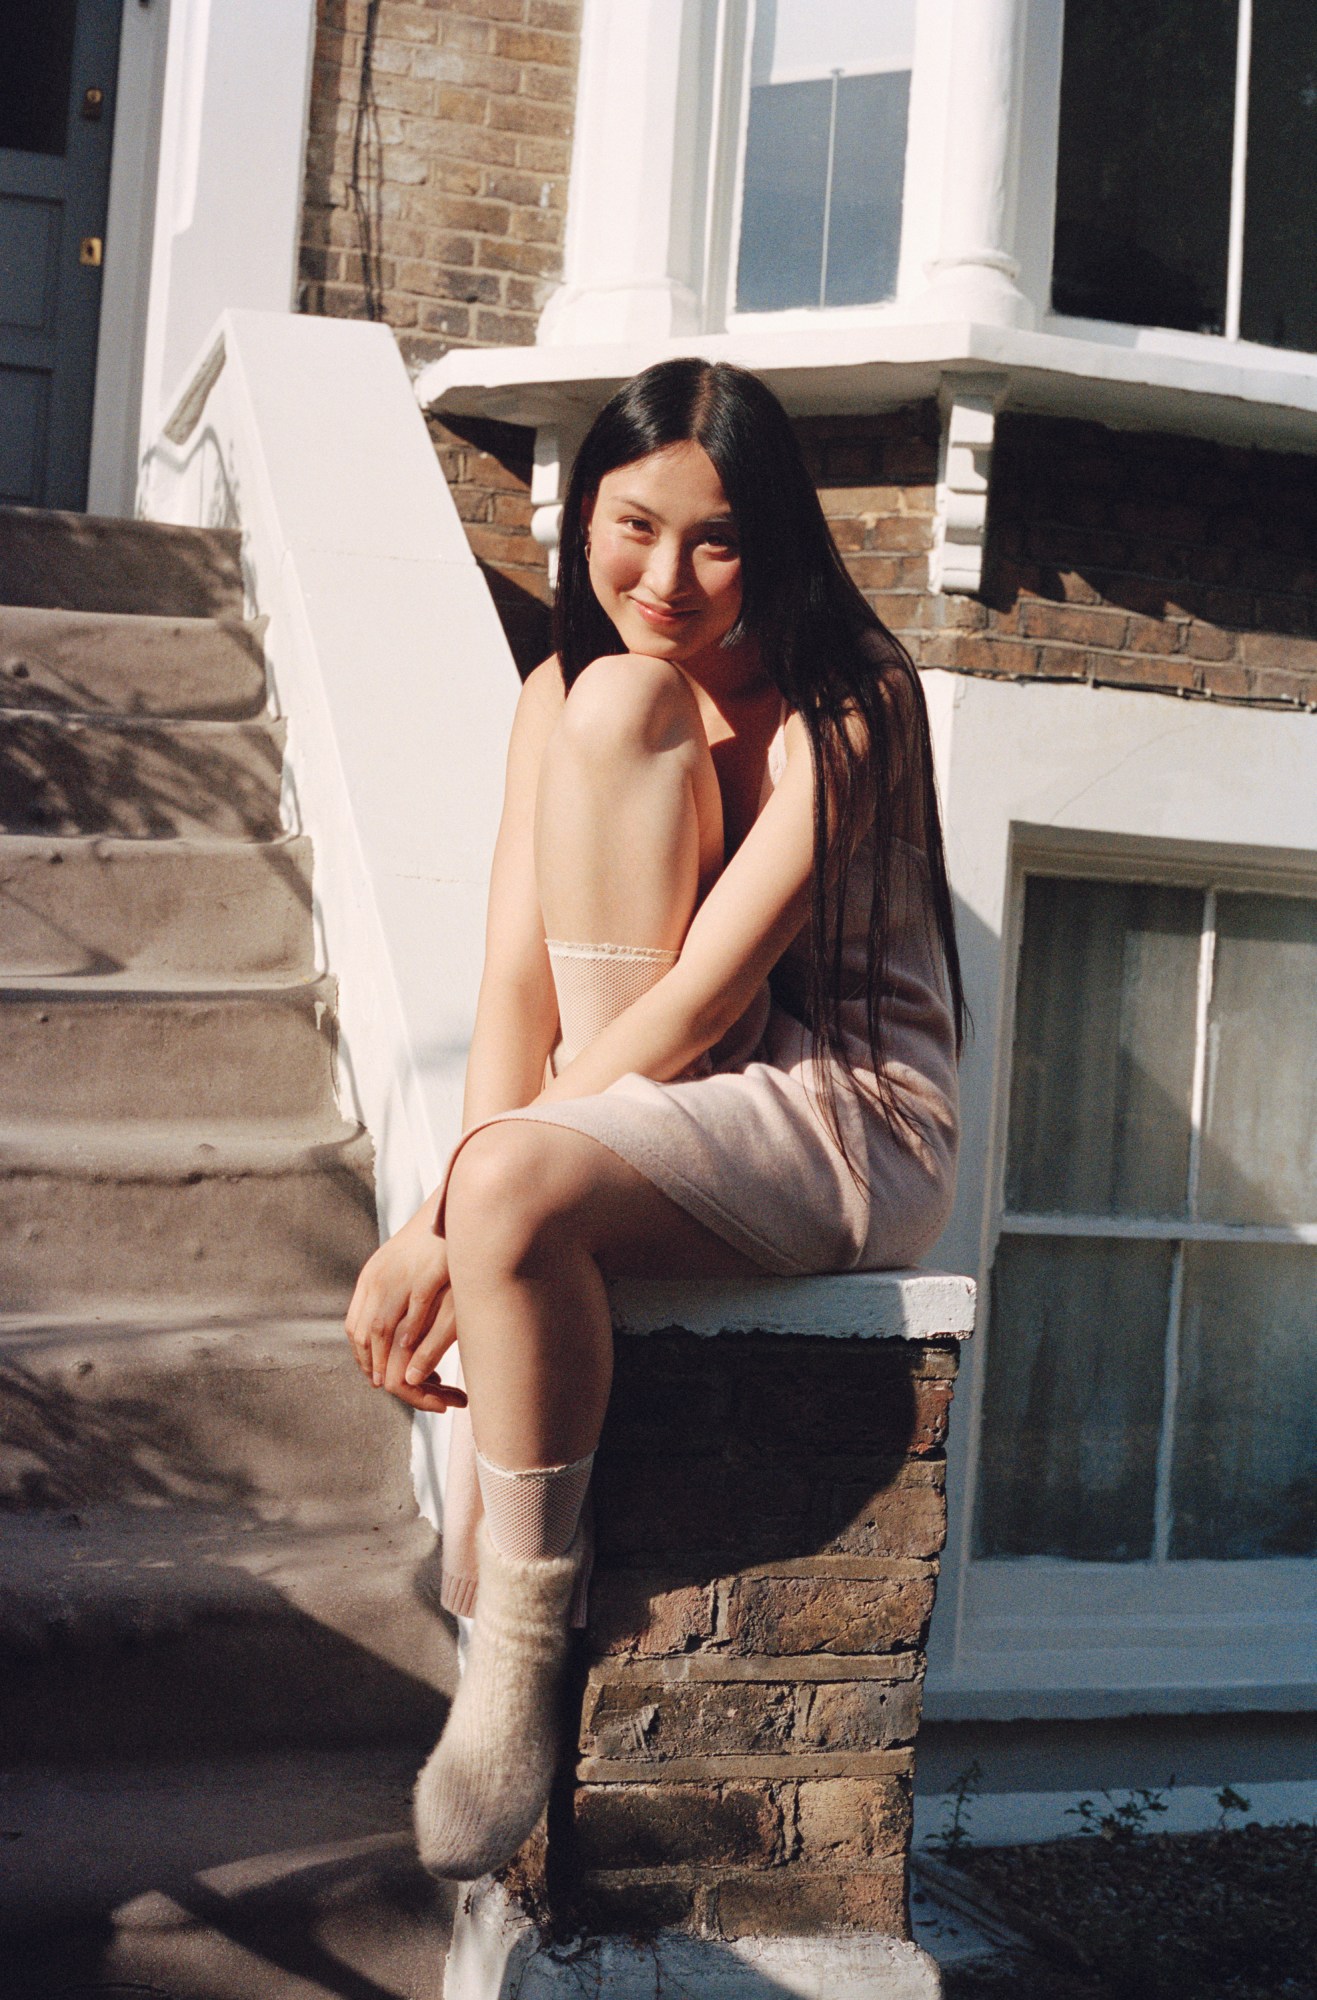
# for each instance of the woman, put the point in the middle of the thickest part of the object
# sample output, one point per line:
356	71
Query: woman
718	1022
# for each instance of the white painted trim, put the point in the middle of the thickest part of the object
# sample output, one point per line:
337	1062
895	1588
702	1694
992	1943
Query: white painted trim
1197	384
1239	170
129	232
497	1953
870	1305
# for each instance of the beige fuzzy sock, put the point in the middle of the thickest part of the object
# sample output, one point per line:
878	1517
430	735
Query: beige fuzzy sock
487	1779
597	982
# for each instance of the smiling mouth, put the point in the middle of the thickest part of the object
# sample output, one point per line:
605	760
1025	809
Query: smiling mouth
660	614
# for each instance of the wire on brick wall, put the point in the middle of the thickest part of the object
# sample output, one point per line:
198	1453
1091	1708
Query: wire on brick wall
364	182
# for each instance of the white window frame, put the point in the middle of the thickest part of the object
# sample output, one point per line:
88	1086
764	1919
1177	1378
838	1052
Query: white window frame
1141	1620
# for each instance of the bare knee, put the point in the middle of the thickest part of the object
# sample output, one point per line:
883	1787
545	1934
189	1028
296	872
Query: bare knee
505	1203
628	704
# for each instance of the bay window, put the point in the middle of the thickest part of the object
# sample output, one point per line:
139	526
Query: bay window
1187	167
1152	1347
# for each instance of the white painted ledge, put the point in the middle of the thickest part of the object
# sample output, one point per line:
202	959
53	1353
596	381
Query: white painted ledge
1132	378
869	1305
498	1954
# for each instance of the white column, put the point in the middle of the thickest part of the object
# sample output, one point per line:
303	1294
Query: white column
974	273
628	263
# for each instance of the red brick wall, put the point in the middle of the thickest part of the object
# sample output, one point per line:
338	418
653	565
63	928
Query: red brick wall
466	133
1126	559
462	145
770	1511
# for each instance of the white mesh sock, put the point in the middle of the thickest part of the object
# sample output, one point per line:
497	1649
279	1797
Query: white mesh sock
597	982
533	1513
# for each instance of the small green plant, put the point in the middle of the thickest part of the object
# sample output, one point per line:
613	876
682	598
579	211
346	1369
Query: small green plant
1124	1819
1230	1801
955	1833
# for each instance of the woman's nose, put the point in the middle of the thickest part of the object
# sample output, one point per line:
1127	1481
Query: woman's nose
664	571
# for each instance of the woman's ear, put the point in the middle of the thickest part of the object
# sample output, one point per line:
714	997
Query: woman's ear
587	515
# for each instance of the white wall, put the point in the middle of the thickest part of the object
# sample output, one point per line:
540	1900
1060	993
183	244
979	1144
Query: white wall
1096	769
231	158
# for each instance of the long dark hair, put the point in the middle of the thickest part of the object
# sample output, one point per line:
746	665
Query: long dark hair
821	644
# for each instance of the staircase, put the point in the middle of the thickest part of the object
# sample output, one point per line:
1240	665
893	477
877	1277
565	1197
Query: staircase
219	1663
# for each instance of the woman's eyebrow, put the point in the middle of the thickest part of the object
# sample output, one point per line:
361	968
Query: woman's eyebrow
726	520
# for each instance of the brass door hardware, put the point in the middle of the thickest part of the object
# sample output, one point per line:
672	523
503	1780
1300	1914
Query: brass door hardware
91	250
93	103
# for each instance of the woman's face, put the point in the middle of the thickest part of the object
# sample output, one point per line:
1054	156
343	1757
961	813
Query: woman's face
665	563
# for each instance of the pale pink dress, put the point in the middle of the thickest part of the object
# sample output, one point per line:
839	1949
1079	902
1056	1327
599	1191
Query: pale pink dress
745	1150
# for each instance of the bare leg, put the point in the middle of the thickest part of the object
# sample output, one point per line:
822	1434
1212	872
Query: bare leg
628	836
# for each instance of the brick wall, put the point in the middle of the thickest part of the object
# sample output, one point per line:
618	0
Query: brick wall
769	1515
459	130
1126	559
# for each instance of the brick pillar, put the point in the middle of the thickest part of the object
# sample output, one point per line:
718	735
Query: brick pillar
770	1507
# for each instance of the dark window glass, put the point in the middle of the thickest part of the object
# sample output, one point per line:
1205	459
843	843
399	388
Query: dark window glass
1143	175
1279	304
1244	1477
36	69
1104	1049
868	176
1073	1405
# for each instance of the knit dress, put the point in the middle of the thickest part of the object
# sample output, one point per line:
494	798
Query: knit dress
740	1142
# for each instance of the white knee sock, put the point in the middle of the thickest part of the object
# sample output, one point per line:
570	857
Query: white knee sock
597	982
533	1513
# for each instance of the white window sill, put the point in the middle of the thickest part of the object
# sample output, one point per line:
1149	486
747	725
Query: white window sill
1123	376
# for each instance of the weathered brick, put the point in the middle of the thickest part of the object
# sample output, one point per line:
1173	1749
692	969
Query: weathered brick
635	1905
1073	623
858	1715
851	1822
790	1614
1278	650
796	1901
648	1615
901	1520
653	1826
535	45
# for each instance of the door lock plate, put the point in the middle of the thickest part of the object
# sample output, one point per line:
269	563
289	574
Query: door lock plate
91	250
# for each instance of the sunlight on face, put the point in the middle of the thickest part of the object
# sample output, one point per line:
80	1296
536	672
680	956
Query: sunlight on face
665	561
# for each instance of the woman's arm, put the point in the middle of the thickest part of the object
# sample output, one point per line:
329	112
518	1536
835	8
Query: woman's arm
745	923
517	1011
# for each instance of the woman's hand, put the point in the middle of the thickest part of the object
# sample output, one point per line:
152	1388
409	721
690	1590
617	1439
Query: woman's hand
402	1310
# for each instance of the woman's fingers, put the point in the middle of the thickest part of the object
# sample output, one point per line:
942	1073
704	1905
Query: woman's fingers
433	1345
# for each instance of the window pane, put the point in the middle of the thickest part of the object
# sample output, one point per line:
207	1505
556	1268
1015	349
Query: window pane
786	177
1143	176
1244	1478
1280	214
830	82
864	223
1074	1398
36	69
1102	1072
1259	1155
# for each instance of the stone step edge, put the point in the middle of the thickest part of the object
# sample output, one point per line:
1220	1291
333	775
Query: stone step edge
132	621
110	846
170	1152
110	719
62	989
126	1324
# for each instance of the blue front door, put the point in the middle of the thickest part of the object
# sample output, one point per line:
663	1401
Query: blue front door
57	84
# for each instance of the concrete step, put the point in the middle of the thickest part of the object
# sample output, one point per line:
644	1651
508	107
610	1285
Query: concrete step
80	562
107	662
265	1218
180	1631
269	1415
288	1876
139	779
208	909
113	1049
